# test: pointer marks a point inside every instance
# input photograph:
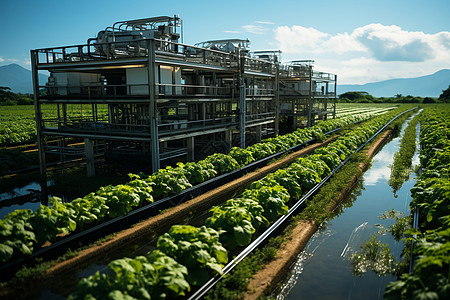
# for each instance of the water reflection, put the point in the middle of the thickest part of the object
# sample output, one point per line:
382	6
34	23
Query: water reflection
382	171
324	269
28	196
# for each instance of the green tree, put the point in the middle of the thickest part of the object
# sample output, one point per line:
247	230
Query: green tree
361	97
428	100
7	97
445	96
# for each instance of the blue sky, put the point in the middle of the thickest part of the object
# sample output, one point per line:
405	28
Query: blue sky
360	41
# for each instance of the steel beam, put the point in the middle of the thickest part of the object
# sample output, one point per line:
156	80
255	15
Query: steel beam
38	113
152	106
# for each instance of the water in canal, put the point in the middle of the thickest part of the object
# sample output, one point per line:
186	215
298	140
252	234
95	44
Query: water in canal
324	269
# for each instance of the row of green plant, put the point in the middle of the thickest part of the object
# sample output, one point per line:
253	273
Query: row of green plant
401	167
18	122
22	231
430	277
49	222
235	222
317	209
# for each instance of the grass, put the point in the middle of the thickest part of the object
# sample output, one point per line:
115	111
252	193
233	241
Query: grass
234	285
401	168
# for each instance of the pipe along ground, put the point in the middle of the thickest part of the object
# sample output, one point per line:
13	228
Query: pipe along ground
281	223
117	224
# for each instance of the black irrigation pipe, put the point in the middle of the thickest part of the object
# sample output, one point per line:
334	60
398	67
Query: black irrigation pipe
277	225
92	234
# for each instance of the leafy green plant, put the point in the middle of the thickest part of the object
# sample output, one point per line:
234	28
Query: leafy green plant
429	279
242	156
236	222
198	249
198	172
154	276
16	235
168	181
271	198
222	163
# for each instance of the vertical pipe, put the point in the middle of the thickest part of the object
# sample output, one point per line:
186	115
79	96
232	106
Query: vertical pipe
310	98
242	113
190	149
335	94
90	161
242	102
277	99
153	106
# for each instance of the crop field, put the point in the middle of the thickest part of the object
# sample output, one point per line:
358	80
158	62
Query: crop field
188	256
18	123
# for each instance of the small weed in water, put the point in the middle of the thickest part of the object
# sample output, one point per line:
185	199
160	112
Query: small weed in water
374	256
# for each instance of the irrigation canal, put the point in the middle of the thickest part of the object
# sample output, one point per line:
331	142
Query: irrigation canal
324	269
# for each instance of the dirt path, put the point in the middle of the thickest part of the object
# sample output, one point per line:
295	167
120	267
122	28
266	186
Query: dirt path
274	272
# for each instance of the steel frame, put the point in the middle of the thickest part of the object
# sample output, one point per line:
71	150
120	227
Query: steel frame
162	95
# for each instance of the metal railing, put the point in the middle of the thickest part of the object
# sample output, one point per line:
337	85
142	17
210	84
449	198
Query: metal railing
135	48
101	91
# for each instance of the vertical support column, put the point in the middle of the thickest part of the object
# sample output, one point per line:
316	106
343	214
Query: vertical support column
38	113
310	98
190	149
334	98
214	83
90	161
258	133
152	106
229	138
242	113
242	102
277	99
326	98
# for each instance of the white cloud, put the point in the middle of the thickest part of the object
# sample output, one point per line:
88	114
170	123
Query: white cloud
255	29
384	43
342	43
232	31
391	43
370	53
265	22
299	38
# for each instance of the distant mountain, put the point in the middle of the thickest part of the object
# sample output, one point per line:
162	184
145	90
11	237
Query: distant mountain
425	86
18	78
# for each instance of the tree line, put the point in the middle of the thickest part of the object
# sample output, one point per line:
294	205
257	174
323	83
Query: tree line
364	97
7	97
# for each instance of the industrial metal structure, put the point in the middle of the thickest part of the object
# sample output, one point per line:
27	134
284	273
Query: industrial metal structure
135	92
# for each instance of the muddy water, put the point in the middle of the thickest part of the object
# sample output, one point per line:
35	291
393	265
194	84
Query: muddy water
324	269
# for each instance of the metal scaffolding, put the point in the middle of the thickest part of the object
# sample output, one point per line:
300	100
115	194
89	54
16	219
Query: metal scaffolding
136	92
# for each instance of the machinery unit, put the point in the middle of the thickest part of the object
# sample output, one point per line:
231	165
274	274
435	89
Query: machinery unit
136	94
